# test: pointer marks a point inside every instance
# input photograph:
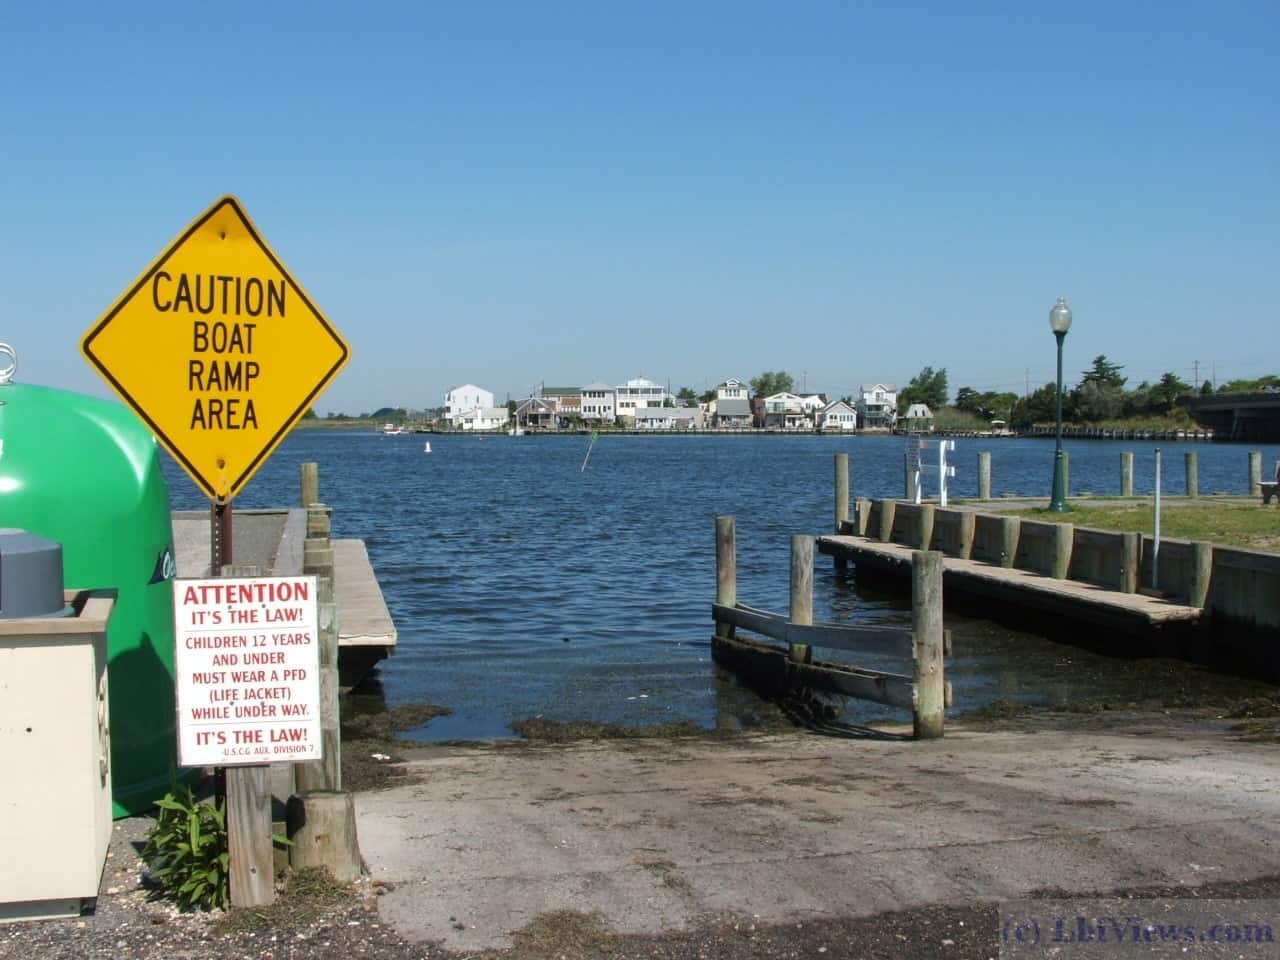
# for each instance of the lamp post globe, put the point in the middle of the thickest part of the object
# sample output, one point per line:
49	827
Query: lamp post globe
1059	323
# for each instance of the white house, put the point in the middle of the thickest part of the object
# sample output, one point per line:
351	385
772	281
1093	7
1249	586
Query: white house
599	402
838	415
878	406
662	418
785	410
812	401
638	393
464	399
482	418
733	389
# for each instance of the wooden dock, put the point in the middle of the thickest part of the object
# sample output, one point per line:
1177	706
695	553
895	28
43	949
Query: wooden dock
272	541
1069	600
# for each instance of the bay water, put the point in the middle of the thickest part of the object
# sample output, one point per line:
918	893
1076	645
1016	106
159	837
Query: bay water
523	583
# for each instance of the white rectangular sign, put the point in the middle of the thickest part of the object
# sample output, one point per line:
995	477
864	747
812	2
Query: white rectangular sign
247	661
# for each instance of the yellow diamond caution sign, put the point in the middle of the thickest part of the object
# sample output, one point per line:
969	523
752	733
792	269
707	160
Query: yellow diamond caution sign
218	348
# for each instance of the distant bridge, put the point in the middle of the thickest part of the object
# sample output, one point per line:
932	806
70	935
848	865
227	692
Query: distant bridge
1238	416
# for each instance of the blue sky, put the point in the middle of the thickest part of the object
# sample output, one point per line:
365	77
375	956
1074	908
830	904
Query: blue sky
510	194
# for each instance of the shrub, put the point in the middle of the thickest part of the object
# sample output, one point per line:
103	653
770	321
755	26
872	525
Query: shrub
186	851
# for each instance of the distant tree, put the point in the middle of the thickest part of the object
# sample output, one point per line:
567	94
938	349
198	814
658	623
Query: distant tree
929	387
991	405
1206	388
1249	386
1104	372
669	402
687	395
1165	394
387	413
310	414
707	396
771	382
511	408
1038	407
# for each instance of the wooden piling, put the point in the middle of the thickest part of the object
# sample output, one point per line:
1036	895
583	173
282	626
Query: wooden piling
984	475
1126	474
926	623
926	526
309	474
251	859
887	510
1192	460
801	594
1063	538
842	492
1201	572
1130	563
1255	473
909	480
1009	529
726	567
861	514
318	561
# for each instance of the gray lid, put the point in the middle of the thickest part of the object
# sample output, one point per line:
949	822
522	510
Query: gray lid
30	576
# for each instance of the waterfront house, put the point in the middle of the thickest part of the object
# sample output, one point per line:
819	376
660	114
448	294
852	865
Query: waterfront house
733	389
878	406
668	418
787	411
838	416
536	413
812	402
566	401
482	418
463	399
599	403
732	412
639	393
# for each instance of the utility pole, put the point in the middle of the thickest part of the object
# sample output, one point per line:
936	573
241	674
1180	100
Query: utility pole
1195	377
1026	383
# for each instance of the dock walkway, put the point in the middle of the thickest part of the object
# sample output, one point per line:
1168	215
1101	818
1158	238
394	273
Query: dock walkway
1069	599
271	540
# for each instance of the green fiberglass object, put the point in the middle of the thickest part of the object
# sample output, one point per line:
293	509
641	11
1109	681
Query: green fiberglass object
85	472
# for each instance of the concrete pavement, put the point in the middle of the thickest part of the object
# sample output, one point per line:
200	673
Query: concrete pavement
659	835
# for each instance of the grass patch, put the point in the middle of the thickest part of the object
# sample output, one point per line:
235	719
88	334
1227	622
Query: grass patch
1248	525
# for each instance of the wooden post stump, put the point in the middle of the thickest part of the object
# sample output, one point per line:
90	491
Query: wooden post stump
322	826
1192	460
1255	473
726	569
984	475
861	514
1126	474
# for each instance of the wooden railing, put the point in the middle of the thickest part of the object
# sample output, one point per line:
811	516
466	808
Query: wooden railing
924	691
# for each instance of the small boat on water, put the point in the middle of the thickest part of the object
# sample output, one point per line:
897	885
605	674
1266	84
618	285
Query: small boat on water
390	430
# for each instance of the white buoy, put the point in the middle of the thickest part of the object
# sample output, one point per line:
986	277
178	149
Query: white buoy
426	448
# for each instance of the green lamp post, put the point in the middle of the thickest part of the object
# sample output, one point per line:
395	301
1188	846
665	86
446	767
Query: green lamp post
1059	323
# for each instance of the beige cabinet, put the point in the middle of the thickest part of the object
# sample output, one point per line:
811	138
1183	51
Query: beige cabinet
55	792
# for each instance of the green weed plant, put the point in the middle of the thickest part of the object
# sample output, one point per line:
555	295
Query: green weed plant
186	851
